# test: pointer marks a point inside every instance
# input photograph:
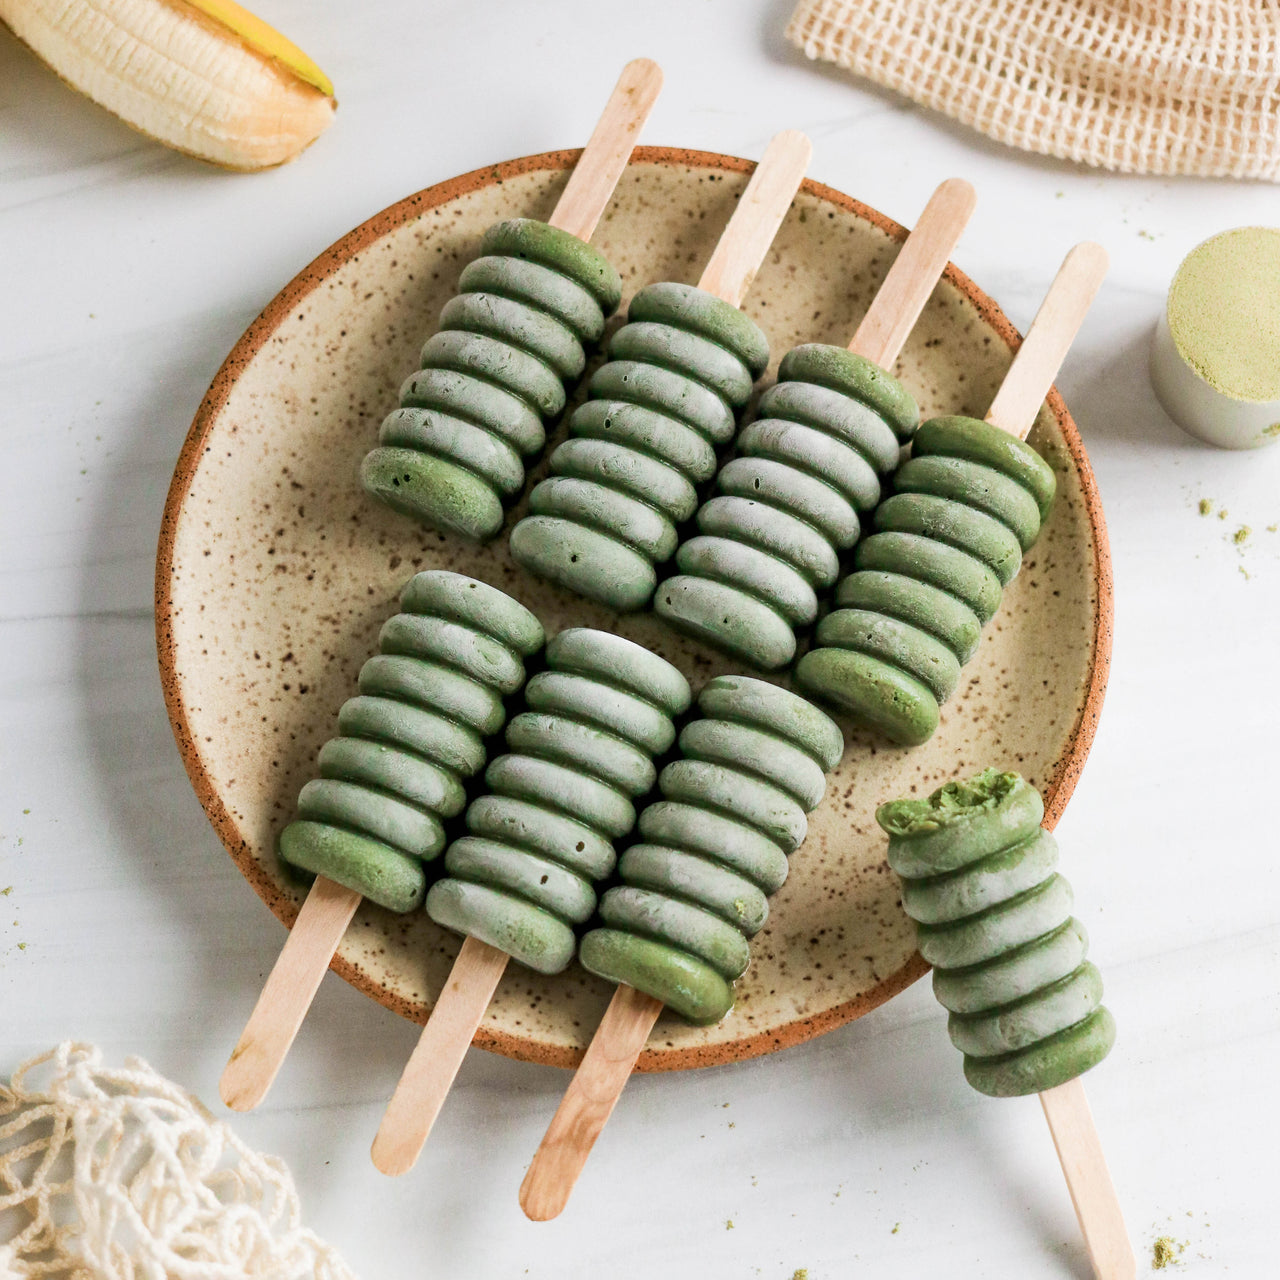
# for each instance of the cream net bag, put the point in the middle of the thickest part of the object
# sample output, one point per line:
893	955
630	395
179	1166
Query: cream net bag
1172	87
118	1174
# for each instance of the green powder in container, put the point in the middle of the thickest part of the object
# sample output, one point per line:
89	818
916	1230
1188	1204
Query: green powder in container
1224	312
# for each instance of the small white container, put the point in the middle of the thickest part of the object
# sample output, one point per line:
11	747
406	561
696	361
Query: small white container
1215	357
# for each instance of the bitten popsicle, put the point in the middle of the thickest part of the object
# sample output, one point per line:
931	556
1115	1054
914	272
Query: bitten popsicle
966	505
454	452
994	919
675	932
427	702
538	844
678	374
810	466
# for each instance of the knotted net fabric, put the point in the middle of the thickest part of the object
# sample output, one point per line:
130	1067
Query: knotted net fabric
1137	86
119	1174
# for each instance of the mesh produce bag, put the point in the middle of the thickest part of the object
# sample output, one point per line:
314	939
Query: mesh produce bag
1139	86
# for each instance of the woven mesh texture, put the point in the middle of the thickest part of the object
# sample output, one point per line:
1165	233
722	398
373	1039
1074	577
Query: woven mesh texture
119	1174
1171	87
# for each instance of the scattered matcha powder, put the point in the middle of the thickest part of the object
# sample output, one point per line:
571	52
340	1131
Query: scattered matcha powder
896	1227
6	891
1271	528
1145	235
728	1225
1222	515
1165	1253
1248	577
1206	506
1241	535
800	1273
22	946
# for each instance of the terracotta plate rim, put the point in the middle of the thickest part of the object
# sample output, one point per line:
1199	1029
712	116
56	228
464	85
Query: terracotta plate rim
1060	786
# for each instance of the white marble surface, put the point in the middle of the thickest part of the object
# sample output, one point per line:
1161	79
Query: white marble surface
127	273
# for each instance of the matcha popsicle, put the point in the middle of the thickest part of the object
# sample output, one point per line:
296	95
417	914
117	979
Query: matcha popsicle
537	844
365	827
993	916
454	452
695	889
810	467
965	507
679	372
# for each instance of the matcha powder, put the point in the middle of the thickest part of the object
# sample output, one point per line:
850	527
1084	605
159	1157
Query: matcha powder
1224	312
1165	1253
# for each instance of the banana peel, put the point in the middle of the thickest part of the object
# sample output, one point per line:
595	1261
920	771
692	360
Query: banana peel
203	76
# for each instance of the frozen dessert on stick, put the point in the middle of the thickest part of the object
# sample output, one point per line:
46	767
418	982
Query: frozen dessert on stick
965	507
694	891
993	917
678	374
537	844
454	452
810	467
416	730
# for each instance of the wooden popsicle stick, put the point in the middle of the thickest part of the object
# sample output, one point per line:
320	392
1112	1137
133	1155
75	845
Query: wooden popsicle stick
288	993
603	160
749	233
915	271
1051	334
1092	1192
429	1074
588	1103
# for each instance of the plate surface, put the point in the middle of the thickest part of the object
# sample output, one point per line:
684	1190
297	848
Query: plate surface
275	572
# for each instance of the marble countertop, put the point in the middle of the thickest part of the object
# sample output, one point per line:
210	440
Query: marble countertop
128	273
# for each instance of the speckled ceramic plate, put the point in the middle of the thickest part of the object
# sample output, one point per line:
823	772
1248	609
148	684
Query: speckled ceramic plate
275	572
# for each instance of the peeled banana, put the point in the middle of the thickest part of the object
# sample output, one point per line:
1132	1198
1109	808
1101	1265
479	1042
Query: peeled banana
204	76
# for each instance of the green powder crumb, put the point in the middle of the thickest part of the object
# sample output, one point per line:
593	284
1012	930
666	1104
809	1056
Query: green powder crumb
1241	535
1165	1253
728	1225
1145	235
800	1273
26	811
1272	430
1244	573
1222	515
896	1227
1206	506
6	891
22	946
1271	528
1057	195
